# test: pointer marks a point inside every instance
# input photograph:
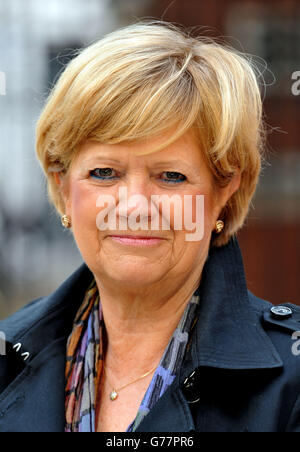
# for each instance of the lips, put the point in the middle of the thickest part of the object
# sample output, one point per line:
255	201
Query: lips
136	240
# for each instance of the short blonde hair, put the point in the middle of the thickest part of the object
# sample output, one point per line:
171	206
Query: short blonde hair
143	80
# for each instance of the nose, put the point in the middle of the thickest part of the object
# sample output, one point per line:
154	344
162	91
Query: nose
134	204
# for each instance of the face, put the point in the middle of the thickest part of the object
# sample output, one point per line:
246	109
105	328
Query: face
142	253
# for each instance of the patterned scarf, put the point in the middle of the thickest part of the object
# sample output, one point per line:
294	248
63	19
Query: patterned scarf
84	365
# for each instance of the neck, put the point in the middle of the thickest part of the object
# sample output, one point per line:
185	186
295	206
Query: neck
140	323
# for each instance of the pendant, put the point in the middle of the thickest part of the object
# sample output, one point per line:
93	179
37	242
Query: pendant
113	395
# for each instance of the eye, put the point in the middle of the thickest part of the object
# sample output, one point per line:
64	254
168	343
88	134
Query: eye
173	177
103	173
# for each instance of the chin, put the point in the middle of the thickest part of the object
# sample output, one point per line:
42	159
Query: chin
133	275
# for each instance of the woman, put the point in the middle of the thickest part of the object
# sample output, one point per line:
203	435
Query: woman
151	144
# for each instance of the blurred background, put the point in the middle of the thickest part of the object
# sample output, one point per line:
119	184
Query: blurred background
36	39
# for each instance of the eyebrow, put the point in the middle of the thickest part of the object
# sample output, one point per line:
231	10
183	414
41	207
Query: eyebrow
159	163
101	157
174	162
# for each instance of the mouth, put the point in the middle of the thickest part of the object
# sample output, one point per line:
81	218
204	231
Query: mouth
136	240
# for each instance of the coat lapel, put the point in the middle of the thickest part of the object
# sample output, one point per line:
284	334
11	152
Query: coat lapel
229	334
170	414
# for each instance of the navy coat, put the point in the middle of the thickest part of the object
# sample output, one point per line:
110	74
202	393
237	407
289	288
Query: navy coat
241	372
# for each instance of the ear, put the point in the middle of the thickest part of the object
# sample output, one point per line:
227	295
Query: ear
57	178
233	185
227	192
62	183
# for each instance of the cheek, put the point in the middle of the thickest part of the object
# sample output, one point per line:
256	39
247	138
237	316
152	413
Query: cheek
198	220
83	210
209	213
195	212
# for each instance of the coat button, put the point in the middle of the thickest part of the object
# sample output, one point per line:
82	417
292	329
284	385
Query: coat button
190	388
281	312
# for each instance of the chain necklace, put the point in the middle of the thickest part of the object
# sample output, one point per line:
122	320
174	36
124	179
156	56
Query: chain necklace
115	391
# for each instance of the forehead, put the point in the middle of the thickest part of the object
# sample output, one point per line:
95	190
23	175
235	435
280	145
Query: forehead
185	150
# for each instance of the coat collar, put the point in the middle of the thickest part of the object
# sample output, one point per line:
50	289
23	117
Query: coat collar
228	333
45	320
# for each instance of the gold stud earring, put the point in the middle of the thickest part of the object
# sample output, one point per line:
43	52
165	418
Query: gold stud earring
66	221
219	226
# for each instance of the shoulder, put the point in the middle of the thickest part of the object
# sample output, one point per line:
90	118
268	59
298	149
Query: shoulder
282	324
285	315
64	299
25	317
